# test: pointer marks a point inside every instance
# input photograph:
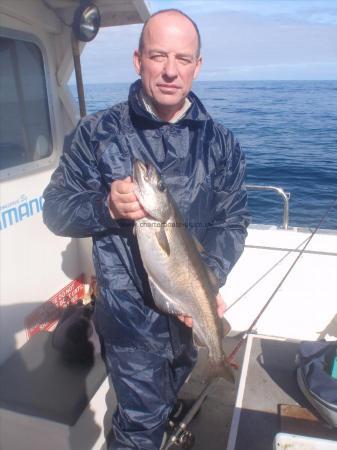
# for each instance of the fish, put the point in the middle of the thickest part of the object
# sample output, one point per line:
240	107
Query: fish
181	283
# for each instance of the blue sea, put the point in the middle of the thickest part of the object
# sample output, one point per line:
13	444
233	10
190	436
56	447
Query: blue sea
288	130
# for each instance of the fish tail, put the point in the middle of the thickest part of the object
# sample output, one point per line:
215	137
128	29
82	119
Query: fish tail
222	369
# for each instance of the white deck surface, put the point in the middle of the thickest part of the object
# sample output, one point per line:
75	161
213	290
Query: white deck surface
305	304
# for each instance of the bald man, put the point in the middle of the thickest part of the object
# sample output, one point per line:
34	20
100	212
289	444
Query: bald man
149	355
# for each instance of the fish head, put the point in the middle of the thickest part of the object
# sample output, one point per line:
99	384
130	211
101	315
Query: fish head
151	191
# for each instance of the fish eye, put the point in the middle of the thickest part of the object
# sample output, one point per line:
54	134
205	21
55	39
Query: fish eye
161	186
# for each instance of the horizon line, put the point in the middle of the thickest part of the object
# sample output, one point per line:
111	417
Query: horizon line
210	81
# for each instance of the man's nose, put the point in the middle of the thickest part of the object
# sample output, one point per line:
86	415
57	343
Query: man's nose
170	68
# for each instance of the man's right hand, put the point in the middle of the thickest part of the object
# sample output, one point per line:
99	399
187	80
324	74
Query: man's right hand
123	203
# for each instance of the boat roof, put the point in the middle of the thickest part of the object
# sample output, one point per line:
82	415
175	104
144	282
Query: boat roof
50	22
113	12
56	16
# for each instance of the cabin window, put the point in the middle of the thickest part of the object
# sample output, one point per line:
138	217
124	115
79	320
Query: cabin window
25	131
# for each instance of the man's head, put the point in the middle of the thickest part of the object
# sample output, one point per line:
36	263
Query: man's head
168	59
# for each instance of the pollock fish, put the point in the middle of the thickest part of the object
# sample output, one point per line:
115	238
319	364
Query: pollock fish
180	281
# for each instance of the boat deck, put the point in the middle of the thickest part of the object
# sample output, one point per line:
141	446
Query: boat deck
304	307
264	401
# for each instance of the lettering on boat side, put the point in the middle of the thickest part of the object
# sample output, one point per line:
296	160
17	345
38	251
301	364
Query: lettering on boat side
20	209
45	316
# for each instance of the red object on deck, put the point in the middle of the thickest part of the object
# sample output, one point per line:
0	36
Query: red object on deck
44	317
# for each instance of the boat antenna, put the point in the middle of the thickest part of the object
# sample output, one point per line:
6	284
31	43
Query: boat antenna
265	306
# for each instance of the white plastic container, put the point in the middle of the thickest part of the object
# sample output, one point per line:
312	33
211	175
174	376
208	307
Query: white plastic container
284	441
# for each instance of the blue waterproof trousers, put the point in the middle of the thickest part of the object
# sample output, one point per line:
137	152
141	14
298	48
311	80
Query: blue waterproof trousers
147	383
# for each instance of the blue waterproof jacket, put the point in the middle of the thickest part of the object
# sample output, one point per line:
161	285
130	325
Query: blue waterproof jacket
202	165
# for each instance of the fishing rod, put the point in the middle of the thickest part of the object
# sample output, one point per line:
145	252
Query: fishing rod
265	306
180	435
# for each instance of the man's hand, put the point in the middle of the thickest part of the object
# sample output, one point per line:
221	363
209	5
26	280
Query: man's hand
123	203
221	308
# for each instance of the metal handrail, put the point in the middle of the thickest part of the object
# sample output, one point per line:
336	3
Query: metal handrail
279	191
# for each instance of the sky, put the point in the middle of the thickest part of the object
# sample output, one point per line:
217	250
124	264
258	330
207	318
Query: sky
241	40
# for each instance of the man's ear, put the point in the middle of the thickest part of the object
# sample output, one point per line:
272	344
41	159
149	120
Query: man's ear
197	67
137	61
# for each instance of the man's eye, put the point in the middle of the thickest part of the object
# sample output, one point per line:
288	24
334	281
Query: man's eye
185	60
158	58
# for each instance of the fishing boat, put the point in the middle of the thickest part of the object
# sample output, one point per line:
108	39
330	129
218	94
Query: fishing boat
45	404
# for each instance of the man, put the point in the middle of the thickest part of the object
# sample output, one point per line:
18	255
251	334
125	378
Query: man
149	355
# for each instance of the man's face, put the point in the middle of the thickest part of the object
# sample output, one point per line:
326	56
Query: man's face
168	62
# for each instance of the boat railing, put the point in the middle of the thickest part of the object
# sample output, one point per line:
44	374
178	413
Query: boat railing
285	196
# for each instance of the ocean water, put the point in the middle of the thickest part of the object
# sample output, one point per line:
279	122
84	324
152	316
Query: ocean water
288	130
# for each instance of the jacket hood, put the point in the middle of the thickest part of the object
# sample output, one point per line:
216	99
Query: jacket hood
196	112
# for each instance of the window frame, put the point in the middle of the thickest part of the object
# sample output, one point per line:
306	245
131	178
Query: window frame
32	166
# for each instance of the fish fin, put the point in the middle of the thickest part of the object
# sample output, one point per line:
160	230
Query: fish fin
162	301
197	341
163	241
224	370
199	246
221	370
226	326
198	336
